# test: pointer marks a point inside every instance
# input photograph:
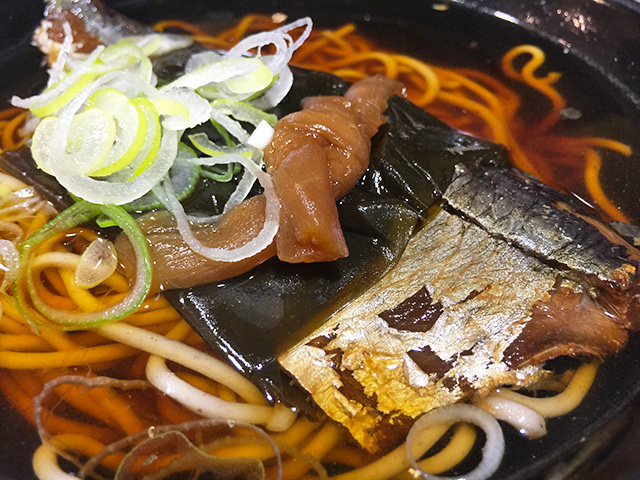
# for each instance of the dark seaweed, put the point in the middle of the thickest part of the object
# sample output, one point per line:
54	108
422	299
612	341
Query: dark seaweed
251	318
414	156
21	165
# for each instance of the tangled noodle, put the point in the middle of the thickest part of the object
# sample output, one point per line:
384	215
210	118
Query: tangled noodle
466	99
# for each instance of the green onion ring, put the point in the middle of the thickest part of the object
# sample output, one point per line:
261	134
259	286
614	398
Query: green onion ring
77	214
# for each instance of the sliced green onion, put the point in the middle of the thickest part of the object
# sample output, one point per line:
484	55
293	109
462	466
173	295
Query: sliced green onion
65	97
131	129
202	142
157	44
105	222
243	112
109	136
154	134
250	84
9	262
223	133
222	176
115	189
222	72
229	113
90	138
55	97
77	214
182	108
184	176
97	263
124	55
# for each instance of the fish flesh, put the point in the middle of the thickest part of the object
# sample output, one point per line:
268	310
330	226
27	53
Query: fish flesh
505	274
90	22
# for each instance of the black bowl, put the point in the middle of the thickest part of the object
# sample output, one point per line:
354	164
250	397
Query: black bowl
595	43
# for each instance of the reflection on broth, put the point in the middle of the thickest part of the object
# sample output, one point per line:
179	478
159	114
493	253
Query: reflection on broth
136	396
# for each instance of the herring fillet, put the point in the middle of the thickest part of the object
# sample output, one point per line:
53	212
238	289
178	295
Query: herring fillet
485	290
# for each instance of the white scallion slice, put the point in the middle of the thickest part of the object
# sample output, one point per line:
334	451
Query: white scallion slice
182	108
202	58
250	84
97	263
184	176
261	136
89	141
233	127
202	142
277	92
243	112
65	97
218	72
108	191
131	129
63	91
492	450
261	241
158	44
152	142
9	263
127	56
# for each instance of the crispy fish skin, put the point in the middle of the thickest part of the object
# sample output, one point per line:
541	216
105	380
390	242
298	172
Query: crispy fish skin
542	221
485	290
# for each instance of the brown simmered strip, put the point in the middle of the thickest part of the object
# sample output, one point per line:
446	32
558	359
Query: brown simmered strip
307	190
316	156
177	266
417	313
309	217
567	323
369	101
